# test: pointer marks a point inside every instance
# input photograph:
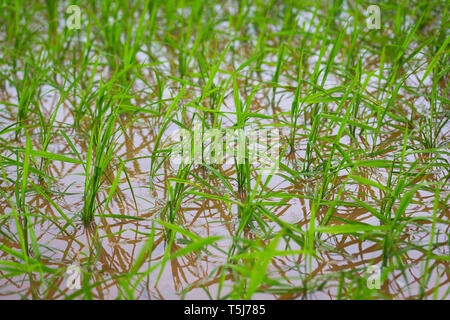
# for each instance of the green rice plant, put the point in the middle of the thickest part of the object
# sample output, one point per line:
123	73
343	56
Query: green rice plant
101	151
27	93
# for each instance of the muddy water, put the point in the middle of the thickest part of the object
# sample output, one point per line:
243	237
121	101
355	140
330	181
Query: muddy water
118	241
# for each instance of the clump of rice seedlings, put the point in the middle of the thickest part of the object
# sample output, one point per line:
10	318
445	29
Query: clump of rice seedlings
27	93
101	151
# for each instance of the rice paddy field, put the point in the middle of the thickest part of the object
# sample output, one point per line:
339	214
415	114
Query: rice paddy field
355	205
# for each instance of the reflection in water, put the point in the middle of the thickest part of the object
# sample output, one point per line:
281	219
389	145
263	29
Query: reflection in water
114	243
111	246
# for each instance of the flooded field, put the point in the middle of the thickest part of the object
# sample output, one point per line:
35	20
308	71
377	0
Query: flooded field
94	205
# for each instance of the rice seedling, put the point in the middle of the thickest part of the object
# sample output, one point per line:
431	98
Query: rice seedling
357	180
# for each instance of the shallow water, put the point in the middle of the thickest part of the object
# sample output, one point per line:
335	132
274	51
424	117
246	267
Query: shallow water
204	218
118	241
